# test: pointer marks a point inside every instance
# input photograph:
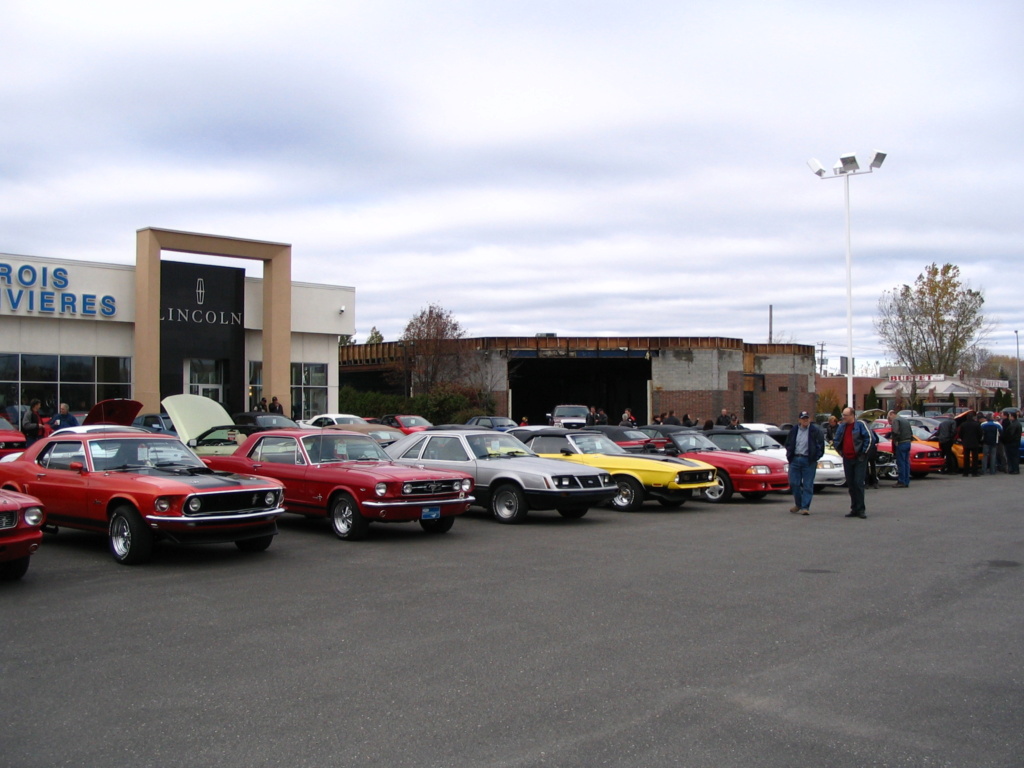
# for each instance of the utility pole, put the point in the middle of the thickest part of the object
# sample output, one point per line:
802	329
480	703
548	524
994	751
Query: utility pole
821	357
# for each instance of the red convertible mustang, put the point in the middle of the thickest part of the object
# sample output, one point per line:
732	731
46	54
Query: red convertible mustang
348	478
21	518
141	487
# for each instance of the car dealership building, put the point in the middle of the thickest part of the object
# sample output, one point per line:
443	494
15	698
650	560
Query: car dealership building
79	332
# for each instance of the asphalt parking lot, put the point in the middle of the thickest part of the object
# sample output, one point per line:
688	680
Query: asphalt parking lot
732	635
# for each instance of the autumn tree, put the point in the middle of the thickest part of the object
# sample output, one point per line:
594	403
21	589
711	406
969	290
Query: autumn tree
375	337
431	348
934	325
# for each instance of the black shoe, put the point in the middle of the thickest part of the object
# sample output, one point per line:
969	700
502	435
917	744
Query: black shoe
851	514
861	515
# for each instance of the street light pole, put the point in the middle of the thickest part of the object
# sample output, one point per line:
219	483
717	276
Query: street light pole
1017	336
847	167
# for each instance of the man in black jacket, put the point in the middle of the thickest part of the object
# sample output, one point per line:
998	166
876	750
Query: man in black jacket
970	436
1011	442
946	436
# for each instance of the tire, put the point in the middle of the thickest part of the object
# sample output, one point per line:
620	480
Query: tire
259	544
630	496
13	570
439	525
721	491
671	503
131	542
573	513
347	521
887	472
508	504
753	495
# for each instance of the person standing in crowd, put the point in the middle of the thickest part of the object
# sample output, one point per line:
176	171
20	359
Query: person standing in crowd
830	428
687	421
524	422
1011	443
31	424
852	441
275	406
901	436
1001	461
970	437
946	435
804	446
591	416
709	425
991	437
262	405
627	418
871	472
63	418
602	417
724	419
671	419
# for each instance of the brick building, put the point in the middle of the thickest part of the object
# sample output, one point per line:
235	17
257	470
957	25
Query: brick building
528	376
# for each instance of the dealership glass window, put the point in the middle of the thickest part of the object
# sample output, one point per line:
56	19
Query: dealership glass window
255	383
309	389
39	368
9	365
107	391
114	370
79	397
77	368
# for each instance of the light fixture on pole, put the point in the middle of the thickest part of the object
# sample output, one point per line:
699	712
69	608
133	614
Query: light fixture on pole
846	167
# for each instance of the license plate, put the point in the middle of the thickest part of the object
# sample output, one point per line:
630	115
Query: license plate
431	513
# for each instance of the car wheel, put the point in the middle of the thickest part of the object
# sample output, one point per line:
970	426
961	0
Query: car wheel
440	525
13	570
887	472
508	504
131	542
259	544
347	522
753	495
721	491
630	496
573	513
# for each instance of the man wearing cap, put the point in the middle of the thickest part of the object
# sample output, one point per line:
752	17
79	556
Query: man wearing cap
804	446
901	437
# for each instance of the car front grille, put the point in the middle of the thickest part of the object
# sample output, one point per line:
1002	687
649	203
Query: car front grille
696	476
18	444
8	518
589	481
431	487
231	501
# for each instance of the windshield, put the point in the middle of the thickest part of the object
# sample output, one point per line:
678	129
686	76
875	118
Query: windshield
570	410
326	447
5	424
414	421
128	452
692	441
596	444
491	445
761	441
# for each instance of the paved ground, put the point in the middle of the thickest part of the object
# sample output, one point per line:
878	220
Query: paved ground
738	635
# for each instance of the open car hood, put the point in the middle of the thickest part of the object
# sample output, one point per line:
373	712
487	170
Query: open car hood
118	411
193	415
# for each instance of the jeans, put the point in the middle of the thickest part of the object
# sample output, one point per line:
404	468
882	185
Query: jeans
801	480
989	454
902	455
855	469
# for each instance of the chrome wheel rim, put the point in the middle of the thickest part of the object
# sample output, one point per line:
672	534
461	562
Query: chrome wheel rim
341	518
625	496
120	536
714	493
505	505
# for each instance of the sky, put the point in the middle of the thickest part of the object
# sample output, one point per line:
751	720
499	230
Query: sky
580	168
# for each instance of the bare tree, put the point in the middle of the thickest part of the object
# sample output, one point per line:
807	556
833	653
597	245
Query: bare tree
932	326
431	348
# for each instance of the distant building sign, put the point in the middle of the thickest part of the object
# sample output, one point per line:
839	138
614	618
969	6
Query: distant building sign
918	377
29	288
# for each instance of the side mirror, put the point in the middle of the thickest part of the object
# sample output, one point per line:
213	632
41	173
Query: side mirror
77	466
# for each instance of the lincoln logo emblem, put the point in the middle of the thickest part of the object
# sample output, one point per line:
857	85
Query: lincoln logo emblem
200	291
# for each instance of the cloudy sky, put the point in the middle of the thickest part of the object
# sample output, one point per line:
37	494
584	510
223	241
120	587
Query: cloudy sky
592	168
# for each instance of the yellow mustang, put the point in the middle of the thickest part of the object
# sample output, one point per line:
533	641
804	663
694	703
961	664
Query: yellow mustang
640	477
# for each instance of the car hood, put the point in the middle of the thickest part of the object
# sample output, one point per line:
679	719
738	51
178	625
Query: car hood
116	411
192	415
611	462
163	481
725	459
387	470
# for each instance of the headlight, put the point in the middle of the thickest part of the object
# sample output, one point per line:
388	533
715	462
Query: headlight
759	469
562	481
195	504
381	488
270	498
33	515
467	485
607	480
162	504
824	464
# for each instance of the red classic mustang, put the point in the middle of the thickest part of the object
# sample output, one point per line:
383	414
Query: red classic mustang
21	520
347	478
140	487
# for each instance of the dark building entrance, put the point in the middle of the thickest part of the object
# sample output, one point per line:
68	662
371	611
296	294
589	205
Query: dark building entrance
539	384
